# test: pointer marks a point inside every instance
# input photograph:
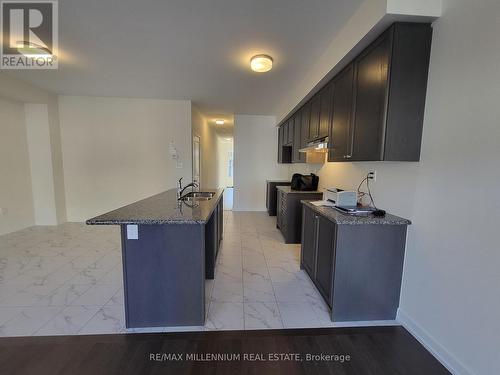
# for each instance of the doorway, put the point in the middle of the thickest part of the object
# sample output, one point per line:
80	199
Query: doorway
196	160
226	165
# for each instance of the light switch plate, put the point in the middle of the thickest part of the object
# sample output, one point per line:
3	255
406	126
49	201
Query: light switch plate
132	232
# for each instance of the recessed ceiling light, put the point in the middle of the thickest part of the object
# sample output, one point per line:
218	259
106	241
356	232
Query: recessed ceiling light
219	122
261	63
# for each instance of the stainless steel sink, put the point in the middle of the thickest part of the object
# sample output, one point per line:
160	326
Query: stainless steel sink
198	196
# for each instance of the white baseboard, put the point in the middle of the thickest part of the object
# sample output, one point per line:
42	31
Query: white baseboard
447	359
248	209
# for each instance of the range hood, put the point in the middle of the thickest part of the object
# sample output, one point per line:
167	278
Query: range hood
319	145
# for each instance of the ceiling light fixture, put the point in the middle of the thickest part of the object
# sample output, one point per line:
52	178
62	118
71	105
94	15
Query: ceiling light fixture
219	122
261	63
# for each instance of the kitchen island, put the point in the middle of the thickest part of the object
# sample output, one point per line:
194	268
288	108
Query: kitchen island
169	247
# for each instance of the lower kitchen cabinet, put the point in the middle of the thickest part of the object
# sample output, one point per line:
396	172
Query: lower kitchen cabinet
325	253
355	263
289	211
271	194
318	248
213	237
309	229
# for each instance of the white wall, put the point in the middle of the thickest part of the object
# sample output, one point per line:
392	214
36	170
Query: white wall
42	180
452	269
255	160
116	151
57	161
16	202
45	146
209	166
450	295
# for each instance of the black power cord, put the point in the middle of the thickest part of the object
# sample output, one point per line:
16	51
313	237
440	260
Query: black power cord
361	194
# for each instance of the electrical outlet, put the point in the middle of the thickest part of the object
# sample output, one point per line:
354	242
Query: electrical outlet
372	175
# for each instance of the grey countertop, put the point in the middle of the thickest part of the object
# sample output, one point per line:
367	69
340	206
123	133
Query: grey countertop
345	219
277	180
163	208
288	189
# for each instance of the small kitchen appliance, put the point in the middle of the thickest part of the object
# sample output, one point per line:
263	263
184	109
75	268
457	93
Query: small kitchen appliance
343	198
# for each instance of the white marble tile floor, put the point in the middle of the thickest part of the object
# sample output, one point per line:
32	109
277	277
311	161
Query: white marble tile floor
68	280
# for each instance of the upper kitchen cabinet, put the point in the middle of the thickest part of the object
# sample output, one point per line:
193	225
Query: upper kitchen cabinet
290	132
304	124
390	81
326	96
374	108
320	113
280	144
371	71
339	134
297	157
284	152
284	139
314	118
284	134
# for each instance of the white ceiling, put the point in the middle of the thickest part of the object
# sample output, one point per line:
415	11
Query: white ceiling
188	49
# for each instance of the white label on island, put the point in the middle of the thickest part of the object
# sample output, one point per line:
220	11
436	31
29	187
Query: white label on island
132	232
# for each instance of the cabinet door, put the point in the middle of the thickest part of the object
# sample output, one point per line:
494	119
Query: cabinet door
325	257
341	117
325	110
279	216
284	150
308	249
298	157
285	133
290	134
304	124
221	219
314	119
280	144
371	73
216	230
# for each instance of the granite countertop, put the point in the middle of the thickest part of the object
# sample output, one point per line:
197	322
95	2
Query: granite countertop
288	189
163	208
345	219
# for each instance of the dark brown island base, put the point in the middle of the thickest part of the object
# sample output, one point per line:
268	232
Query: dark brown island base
169	247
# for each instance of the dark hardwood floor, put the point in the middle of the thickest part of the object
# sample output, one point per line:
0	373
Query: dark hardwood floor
371	350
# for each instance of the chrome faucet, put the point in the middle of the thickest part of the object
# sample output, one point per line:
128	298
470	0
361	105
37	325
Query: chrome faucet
181	189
